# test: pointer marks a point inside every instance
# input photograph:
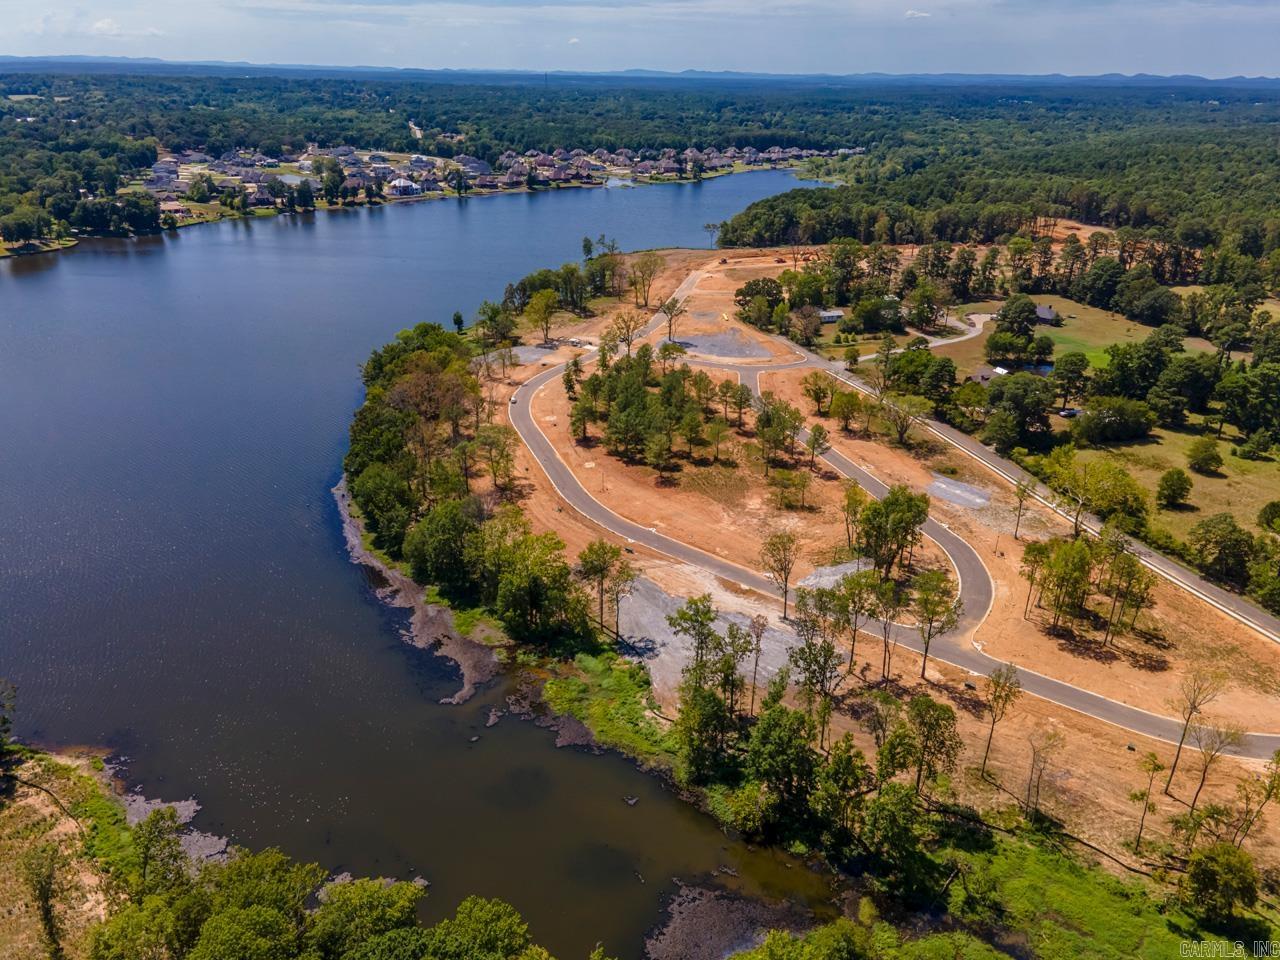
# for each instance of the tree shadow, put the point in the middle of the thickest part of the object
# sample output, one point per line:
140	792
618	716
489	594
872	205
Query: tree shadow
1079	646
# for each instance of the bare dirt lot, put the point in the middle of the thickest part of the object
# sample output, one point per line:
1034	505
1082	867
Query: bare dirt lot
723	510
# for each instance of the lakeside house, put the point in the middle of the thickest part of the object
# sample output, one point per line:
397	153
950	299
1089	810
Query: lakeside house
171	176
831	316
401	187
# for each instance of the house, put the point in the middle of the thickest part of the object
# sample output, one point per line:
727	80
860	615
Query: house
831	316
377	158
175	208
401	187
1046	314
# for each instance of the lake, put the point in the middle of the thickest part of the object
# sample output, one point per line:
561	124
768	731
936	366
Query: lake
174	583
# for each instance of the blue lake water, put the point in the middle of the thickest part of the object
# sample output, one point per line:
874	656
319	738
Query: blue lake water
174	584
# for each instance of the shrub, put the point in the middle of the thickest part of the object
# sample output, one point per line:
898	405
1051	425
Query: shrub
1219	878
1173	489
1203	455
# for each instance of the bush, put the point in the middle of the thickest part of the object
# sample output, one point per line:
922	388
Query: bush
1173	489
1113	420
1203	455
1220	878
1269	516
1257	446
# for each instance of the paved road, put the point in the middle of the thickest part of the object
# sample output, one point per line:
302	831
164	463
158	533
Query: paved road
1235	606
976	588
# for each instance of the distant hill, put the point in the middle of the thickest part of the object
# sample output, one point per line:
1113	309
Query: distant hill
149	65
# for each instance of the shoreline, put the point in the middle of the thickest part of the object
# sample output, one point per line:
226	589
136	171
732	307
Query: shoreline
6	253
430	626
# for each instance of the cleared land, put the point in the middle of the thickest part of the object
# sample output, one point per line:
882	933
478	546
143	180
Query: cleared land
1097	769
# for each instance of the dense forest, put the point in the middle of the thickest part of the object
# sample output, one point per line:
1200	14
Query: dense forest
948	161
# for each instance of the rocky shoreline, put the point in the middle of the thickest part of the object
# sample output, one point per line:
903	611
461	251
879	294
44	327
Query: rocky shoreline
430	626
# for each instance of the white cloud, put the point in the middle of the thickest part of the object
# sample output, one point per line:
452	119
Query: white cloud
107	27
573	40
917	14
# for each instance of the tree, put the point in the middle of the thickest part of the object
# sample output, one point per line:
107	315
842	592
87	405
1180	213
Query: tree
845	407
619	586
644	269
352	913
852	504
1195	692
458	322
434	545
626	328
657	451
1212	740
158	845
596	564
890	527
818	443
1173	489
756	629
41	867
540	311
1003	690
888	604
695	621
1023	491
858	594
817	385
936	608
1069	376
779	754
717	432
903	411
778	556
1224	548
815	660
1220	878
673	310
838	791
1044	745
1034	557
1150	765
1203	456
936	743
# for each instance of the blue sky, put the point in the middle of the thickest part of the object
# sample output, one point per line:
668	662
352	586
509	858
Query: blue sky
1206	37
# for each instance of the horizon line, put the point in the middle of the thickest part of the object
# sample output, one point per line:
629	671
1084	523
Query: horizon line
643	72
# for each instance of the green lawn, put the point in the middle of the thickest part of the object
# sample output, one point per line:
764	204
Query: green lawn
1240	488
1084	329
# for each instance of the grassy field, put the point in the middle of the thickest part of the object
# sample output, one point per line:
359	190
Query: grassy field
1271	304
1086	330
1240	488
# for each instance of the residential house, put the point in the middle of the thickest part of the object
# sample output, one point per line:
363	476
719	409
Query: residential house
401	187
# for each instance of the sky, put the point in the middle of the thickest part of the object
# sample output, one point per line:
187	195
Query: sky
1213	38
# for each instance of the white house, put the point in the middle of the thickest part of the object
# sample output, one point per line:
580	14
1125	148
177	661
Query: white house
400	187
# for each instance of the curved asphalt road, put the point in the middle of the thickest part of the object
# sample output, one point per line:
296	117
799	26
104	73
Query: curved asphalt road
976	588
